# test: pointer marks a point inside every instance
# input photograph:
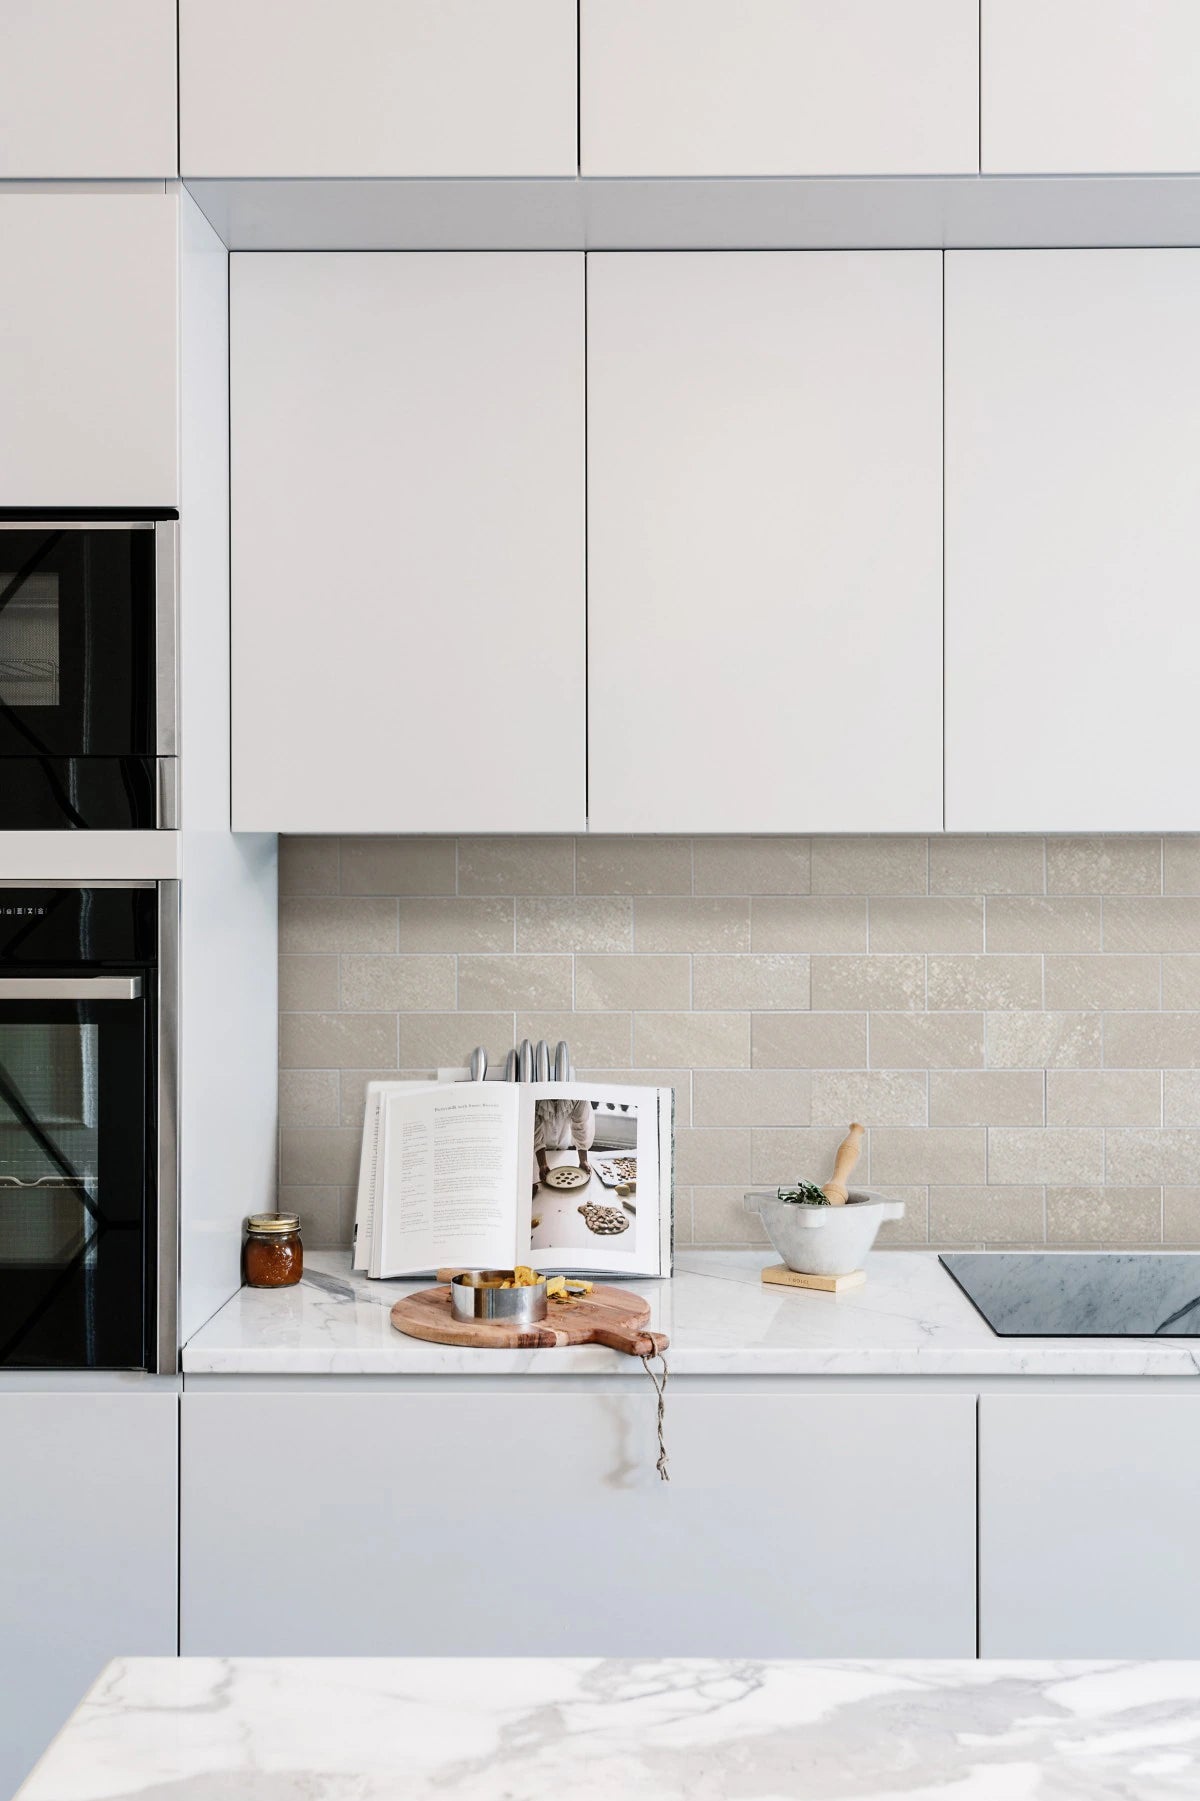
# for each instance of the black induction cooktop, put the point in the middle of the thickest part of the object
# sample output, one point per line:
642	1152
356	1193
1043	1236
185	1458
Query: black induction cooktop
1077	1294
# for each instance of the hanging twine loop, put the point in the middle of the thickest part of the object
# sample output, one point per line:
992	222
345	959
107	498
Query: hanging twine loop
660	1390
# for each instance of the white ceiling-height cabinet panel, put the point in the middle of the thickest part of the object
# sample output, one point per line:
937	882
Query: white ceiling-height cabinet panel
1076	87
89	350
87	90
765	542
1072	549
408	555
377	87
779	87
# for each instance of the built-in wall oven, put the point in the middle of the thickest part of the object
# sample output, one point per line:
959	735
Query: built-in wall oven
88	714
88	1218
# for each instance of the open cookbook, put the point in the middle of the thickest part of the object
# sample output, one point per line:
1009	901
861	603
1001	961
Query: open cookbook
569	1176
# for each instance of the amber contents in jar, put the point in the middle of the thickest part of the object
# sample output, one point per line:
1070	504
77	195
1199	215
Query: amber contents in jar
273	1255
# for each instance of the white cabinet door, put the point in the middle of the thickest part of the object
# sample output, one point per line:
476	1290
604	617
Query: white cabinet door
87	90
89	350
765	542
396	1513
1090	86
88	1566
1072	555
408	579
779	87
1087	1525
377	87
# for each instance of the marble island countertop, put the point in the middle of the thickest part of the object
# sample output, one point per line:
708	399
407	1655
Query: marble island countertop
582	1729
910	1319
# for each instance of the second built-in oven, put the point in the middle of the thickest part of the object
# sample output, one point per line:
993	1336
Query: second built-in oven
87	1136
88	715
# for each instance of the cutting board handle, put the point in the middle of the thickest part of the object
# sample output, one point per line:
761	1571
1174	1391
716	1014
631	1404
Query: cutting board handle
635	1341
835	1191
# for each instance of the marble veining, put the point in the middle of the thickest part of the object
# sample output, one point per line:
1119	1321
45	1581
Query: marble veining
911	1318
1108	1294
575	1729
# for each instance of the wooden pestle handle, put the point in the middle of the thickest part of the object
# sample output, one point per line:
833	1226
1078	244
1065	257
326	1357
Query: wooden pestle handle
835	1191
635	1341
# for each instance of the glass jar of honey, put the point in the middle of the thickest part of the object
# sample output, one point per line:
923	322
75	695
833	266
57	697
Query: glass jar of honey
273	1255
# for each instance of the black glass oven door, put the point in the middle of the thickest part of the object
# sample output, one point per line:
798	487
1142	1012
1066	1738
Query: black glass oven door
74	1174
77	675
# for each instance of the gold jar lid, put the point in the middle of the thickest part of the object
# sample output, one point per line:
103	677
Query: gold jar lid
267	1225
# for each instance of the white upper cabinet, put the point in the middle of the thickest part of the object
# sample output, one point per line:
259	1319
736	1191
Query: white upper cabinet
1072	550
377	87
89	350
1090	86
779	87
87	90
765	542
408	574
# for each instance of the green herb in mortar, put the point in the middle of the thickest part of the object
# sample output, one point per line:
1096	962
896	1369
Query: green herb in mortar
804	1194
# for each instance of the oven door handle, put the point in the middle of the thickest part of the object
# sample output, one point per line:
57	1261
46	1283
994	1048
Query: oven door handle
70	988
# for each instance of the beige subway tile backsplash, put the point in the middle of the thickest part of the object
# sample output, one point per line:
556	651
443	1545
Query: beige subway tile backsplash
959	984
1104	866
501	982
751	1097
926	923
308	865
1016	1020
887	1097
752	865
852	983
798	922
987	866
809	1040
987	1097
633	866
647	983
477	924
1045	923
779	983
516	866
1181	865
877	865
309	984
332	924
398	865
700	925
1103	1097
570	924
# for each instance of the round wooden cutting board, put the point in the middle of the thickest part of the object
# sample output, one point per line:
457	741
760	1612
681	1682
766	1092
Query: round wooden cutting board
607	1316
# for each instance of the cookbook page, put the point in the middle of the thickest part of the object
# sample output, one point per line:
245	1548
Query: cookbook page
591	1179
448	1165
369	1166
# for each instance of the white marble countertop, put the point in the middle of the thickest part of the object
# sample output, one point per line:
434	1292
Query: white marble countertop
575	1729
910	1319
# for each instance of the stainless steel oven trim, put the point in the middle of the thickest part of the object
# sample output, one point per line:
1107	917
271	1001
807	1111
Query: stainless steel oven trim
165	1357
167	794
37	524
72	881
70	988
166	635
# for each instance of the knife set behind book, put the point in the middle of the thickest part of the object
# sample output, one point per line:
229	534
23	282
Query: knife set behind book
486	1175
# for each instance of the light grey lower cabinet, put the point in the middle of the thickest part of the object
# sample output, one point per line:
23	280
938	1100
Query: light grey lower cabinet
1089	1514
88	1552
501	1522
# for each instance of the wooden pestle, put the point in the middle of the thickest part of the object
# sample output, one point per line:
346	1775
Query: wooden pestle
835	1191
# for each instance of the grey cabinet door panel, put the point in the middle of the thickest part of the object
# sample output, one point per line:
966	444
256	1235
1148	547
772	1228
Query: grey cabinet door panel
88	1569
500	1524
